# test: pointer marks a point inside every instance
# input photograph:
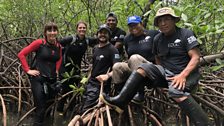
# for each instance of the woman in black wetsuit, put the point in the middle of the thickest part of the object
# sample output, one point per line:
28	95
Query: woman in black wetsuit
75	47
44	70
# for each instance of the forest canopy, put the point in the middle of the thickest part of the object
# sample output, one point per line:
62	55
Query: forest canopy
21	18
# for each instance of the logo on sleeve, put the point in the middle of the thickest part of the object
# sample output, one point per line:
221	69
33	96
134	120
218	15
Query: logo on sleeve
191	39
121	36
116	56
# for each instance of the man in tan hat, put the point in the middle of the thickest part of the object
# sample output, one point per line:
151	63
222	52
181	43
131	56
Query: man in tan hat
177	56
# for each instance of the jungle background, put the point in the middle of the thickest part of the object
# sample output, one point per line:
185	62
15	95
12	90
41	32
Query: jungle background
22	21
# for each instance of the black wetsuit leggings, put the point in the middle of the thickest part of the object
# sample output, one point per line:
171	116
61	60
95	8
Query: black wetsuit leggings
41	98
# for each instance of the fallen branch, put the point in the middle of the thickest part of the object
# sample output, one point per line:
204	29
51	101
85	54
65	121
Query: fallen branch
210	58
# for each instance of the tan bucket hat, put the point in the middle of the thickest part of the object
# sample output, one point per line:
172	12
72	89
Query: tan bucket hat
165	11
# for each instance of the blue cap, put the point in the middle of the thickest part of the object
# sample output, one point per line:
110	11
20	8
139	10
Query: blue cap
134	19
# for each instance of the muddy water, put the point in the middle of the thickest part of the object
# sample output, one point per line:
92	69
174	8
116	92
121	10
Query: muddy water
56	120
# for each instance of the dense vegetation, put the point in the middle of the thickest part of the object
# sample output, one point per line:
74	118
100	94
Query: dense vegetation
26	18
22	21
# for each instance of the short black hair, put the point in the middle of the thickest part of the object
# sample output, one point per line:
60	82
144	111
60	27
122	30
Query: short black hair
111	14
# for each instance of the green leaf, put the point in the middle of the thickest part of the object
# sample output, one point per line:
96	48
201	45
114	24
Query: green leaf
219	31
215	68
207	15
147	13
72	86
84	80
199	40
63	80
219	61
188	24
66	75
184	17
67	64
72	71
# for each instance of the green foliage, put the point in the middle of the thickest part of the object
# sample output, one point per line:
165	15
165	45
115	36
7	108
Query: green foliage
205	18
77	88
27	18
219	66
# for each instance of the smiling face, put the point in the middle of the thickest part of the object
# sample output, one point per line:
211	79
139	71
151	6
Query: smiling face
103	36
51	35
81	29
135	28
111	22
166	24
50	32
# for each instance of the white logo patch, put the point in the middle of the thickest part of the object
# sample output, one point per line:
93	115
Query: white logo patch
101	56
147	37
177	41
115	37
116	56
191	39
145	40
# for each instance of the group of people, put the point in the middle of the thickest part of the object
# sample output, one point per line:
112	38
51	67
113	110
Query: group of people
166	58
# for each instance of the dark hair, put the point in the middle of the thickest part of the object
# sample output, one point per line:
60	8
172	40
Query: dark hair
112	14
81	22
104	26
49	26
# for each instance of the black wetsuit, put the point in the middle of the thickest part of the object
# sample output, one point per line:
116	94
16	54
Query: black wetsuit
74	50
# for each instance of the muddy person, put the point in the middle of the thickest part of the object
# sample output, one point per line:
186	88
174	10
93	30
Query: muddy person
177	56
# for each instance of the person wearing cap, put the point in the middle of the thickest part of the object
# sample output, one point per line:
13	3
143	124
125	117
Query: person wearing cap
138	46
177	59
104	56
117	35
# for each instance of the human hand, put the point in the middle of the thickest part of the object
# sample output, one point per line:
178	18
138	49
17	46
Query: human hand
33	72
102	78
178	81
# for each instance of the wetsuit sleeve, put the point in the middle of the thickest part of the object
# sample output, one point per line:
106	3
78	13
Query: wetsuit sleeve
58	64
25	51
92	41
66	40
